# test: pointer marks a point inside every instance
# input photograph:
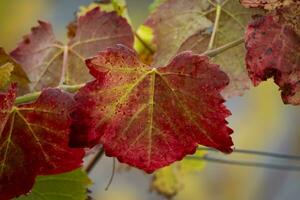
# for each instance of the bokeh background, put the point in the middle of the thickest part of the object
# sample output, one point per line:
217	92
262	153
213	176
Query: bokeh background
260	121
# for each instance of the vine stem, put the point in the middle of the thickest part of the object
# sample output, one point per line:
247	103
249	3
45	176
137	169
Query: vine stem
64	65
221	49
215	28
33	96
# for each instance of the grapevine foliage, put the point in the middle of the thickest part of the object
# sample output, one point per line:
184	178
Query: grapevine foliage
273	48
49	63
148	98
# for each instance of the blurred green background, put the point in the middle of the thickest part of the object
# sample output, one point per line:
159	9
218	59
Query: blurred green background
260	121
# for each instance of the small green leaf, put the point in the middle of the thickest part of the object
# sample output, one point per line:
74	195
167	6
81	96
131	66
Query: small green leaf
68	186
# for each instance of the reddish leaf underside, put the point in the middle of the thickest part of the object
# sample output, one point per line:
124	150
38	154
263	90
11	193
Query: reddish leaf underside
273	49
48	62
34	140
150	117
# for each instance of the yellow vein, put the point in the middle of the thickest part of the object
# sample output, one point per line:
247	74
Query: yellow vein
8	142
186	110
151	109
33	134
135	141
121	99
134	117
46	67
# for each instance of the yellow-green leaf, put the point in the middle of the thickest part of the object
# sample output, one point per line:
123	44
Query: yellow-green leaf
119	6
143	43
72	185
168	181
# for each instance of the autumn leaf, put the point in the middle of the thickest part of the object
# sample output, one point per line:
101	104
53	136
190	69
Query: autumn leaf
168	181
150	117
34	140
266	4
49	63
273	49
199	26
10	71
72	185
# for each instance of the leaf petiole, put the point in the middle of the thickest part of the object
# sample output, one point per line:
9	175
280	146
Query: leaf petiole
221	49
215	28
33	96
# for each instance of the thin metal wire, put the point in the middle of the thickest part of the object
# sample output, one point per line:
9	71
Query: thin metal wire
258	153
246	163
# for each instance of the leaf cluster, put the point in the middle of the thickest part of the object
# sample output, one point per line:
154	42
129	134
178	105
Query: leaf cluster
149	97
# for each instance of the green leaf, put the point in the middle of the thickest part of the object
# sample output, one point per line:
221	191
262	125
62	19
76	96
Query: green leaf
168	181
68	186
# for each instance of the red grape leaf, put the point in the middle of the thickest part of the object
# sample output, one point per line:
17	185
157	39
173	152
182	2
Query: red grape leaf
150	117
187	25
17	75
266	4
34	140
273	49
49	63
